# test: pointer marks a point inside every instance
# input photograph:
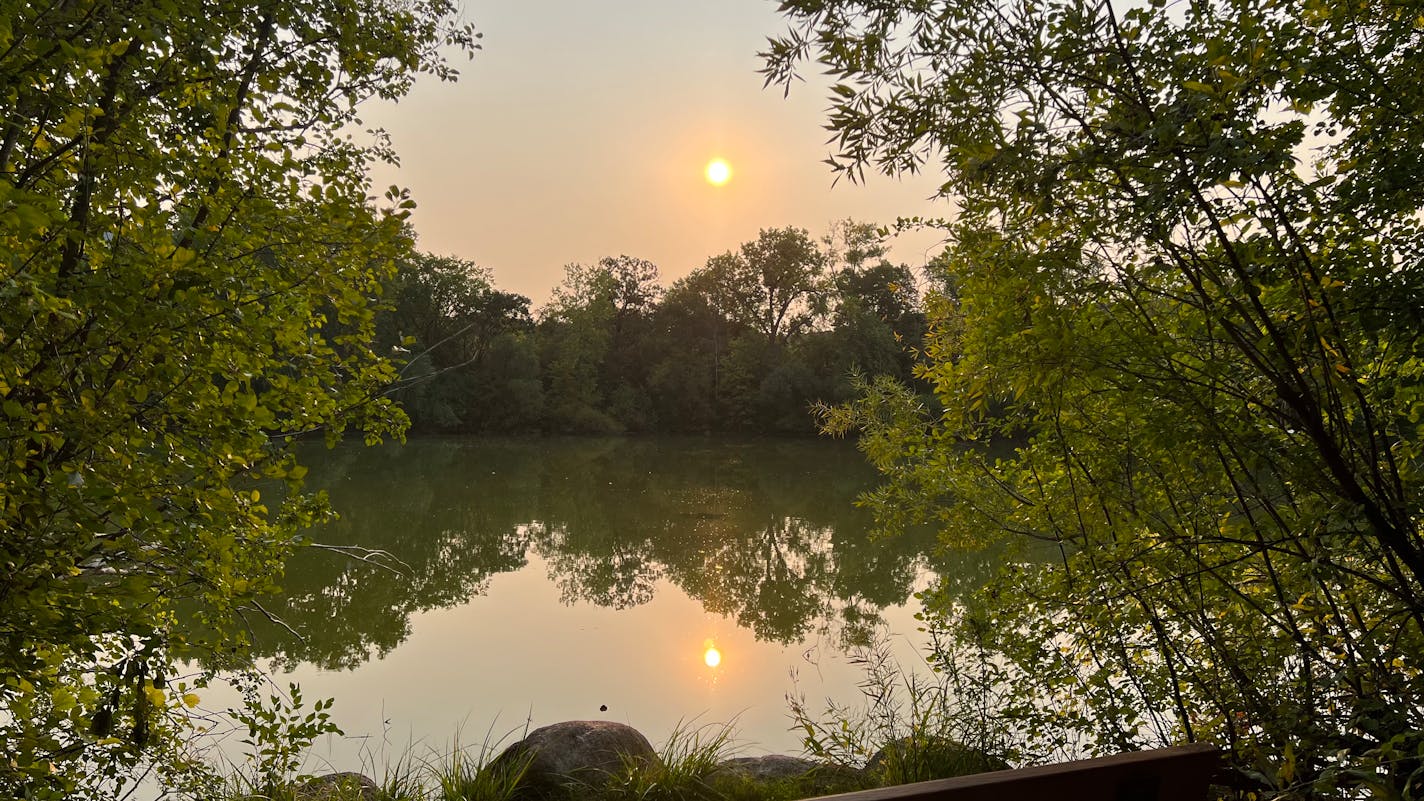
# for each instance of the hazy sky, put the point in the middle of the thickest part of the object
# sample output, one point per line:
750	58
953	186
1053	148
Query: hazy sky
582	128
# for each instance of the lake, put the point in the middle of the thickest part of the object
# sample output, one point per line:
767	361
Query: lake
540	580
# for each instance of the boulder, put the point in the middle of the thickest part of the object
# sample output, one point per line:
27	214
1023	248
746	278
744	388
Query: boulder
576	753
916	759
766	768
344	786
810	778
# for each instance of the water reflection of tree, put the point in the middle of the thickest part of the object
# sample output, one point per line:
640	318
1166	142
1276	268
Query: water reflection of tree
412	503
773	578
763	532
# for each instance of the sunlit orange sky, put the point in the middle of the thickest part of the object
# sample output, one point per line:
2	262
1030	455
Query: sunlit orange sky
582	130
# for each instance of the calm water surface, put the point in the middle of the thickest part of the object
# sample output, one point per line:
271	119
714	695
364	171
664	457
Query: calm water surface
544	580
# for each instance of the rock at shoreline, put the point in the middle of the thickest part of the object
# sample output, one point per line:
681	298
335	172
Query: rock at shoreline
926	758
345	786
767	768
812	778
577	752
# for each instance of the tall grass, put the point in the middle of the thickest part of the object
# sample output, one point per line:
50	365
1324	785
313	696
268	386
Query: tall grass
909	726
684	772
463	775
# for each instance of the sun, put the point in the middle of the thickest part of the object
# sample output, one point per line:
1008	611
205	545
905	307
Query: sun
710	654
718	172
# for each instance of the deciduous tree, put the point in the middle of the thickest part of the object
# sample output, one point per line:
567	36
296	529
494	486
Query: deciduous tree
1186	272
769	285
191	261
469	360
592	332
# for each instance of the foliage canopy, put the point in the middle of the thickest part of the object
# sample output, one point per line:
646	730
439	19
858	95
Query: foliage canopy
1186	271
191	263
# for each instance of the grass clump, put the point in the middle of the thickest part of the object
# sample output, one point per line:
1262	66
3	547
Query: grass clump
480	777
693	767
686	769
909	727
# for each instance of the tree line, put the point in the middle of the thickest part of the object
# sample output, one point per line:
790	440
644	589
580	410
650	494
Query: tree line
750	342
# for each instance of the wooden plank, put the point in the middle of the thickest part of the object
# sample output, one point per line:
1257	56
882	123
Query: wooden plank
1179	773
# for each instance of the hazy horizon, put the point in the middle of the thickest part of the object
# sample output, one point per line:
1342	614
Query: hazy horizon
581	131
